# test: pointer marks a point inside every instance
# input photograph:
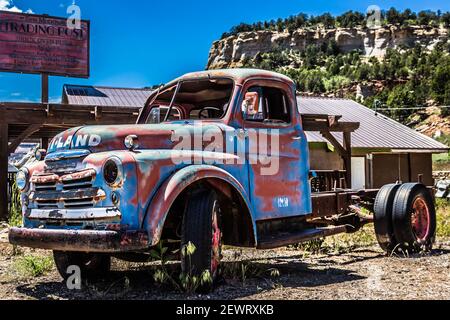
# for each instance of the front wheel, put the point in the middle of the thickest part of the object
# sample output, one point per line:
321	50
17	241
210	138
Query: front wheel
201	227
92	266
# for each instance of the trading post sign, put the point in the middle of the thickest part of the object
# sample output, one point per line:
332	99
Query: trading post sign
42	44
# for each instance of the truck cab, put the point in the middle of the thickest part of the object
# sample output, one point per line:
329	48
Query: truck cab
216	157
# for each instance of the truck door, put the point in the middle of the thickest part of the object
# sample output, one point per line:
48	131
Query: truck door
277	151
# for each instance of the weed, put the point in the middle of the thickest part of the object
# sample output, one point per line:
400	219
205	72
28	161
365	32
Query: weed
33	265
187	281
15	211
244	270
312	247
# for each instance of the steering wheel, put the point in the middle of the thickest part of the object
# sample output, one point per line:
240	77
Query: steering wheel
274	121
202	116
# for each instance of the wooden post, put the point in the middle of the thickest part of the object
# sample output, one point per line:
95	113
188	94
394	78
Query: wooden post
44	143
348	158
4	172
44	87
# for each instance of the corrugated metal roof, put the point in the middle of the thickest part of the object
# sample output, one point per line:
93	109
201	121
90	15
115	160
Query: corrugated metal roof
105	96
376	130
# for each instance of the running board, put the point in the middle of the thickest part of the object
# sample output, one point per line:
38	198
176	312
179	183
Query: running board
285	239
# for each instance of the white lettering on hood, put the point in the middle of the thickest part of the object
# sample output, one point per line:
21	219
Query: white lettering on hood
78	141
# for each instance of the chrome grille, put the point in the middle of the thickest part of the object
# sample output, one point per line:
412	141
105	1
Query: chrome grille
77	184
48	204
57	191
78	204
49	186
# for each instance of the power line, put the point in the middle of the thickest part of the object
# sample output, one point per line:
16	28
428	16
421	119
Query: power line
409	108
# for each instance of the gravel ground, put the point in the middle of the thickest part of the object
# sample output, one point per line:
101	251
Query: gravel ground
364	273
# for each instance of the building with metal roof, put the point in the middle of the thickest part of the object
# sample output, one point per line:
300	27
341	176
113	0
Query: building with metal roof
383	150
376	131
104	96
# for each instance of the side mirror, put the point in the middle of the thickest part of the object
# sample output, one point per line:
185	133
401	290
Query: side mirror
250	105
40	154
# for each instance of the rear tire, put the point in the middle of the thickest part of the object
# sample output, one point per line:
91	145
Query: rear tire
201	227
92	266
414	218
383	207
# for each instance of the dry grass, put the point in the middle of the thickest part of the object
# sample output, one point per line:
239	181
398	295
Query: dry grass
443	219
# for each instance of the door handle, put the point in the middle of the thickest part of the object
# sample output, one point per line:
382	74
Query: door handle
297	138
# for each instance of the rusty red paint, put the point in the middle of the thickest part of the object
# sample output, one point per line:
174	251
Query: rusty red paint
51	177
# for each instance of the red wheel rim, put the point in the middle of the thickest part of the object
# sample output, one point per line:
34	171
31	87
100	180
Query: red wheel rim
216	241
420	219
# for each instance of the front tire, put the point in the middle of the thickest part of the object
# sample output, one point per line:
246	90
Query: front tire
92	266
201	227
414	218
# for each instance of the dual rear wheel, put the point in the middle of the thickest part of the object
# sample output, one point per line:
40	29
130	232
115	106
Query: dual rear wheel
405	218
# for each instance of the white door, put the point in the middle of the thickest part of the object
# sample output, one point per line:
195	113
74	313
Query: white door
358	173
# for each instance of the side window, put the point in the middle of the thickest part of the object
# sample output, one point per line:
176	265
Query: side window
266	104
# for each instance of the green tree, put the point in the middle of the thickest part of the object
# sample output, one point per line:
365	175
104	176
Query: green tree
393	16
445	19
426	17
401	98
440	84
327	20
350	19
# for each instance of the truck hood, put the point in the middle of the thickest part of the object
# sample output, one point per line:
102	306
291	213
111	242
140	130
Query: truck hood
110	138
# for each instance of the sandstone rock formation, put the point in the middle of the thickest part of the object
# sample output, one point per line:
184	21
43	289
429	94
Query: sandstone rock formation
232	51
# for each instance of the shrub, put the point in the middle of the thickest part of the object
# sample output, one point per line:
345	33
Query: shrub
34	265
15	211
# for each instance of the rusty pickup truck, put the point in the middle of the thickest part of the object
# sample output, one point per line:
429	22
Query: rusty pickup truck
216	158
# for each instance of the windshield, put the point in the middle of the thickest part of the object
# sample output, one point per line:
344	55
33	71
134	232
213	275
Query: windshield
192	100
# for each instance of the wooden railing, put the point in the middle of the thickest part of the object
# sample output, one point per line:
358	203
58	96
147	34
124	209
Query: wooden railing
328	180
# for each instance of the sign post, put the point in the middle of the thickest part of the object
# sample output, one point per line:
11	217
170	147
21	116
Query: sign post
44	88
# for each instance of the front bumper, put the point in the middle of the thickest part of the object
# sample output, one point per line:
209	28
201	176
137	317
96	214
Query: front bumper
80	240
93	214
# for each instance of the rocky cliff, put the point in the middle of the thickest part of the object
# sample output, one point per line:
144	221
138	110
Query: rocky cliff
232	51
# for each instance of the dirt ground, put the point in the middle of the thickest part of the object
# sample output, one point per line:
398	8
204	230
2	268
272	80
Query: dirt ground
364	273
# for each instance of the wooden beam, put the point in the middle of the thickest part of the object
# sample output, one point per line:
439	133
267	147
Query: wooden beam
64	118
4	172
345	151
98	113
309	125
348	158
64	107
44	143
340	149
25	134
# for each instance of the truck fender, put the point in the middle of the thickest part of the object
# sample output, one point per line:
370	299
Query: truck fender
168	192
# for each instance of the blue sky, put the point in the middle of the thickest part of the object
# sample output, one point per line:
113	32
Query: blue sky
138	43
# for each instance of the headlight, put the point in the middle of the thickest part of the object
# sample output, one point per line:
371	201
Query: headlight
131	142
22	179
113	172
